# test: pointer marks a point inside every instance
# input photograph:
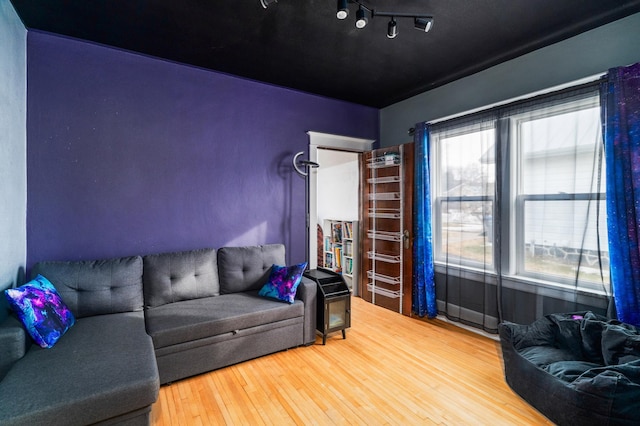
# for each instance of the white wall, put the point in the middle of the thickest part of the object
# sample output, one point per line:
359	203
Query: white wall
587	54
13	145
338	185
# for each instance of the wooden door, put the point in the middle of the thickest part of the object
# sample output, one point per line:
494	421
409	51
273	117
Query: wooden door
386	179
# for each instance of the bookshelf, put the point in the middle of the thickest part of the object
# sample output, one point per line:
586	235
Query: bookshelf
341	249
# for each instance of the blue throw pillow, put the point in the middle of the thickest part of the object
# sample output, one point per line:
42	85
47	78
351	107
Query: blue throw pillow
283	282
41	310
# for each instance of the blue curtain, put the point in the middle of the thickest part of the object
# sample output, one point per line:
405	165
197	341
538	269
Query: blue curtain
424	292
620	100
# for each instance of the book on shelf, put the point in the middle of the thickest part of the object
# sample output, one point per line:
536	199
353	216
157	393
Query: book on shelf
338	257
348	248
336	232
348	230
328	260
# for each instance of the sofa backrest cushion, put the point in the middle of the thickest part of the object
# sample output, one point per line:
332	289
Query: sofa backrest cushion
172	277
96	287
247	268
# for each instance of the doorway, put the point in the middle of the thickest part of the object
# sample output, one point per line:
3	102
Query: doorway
328	143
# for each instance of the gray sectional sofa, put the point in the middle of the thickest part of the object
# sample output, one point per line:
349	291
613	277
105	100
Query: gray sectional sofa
142	322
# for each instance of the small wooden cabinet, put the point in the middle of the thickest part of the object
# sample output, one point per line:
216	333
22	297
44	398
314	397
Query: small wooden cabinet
334	302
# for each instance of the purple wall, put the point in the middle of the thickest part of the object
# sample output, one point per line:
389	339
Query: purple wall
128	154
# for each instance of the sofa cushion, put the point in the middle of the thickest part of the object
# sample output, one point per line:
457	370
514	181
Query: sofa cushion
190	320
540	333
568	334
247	268
104	367
283	282
97	287
173	277
542	356
570	370
591	332
41	310
620	344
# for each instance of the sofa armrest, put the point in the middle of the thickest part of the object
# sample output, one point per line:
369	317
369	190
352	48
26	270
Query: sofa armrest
14	343
307	292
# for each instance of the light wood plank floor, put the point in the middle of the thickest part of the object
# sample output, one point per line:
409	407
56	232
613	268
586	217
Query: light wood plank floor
390	370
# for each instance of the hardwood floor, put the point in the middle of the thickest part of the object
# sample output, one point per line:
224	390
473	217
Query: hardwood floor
390	370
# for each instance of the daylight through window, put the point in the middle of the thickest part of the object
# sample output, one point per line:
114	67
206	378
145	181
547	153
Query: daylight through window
532	176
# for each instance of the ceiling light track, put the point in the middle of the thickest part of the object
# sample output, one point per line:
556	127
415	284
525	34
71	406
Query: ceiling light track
421	22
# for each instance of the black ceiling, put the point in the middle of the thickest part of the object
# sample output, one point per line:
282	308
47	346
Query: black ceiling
302	45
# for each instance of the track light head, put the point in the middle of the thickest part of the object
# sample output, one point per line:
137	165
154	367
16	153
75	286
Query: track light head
343	10
361	18
424	24
266	3
392	28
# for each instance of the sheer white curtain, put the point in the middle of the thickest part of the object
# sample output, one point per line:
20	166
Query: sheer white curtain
519	218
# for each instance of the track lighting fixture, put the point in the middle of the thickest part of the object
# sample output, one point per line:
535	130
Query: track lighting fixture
392	28
361	18
266	3
421	22
343	10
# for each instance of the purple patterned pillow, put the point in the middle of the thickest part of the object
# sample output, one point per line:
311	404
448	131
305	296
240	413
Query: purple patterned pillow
283	282
41	310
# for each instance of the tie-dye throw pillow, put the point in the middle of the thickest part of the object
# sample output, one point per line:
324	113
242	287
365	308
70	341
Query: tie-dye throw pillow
41	310
283	282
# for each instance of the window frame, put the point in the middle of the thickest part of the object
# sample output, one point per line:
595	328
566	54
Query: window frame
437	201
507	199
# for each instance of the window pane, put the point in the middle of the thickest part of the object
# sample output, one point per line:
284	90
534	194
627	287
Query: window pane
558	152
467	231
467	165
561	235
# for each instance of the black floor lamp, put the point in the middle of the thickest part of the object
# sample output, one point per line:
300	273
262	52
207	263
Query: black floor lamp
302	168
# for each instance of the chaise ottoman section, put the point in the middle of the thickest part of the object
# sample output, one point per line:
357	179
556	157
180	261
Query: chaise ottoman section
103	370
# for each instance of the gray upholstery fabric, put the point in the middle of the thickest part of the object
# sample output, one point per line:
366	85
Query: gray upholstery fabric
97	287
13	343
308	292
193	358
103	367
173	277
191	320
247	268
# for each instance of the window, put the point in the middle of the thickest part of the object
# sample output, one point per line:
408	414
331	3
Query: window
560	218
531	174
465	201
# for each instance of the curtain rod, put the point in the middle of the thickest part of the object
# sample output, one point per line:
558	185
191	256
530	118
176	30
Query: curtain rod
514	102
